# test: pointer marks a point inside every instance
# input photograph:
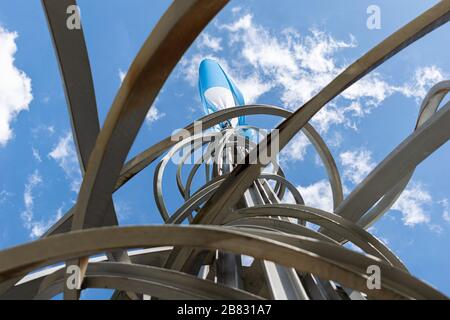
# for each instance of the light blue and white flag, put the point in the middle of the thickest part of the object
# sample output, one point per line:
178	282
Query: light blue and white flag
218	91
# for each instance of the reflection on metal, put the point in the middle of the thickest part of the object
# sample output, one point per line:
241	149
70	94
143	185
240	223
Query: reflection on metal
233	226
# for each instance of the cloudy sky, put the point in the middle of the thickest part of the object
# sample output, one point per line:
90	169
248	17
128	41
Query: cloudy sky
280	53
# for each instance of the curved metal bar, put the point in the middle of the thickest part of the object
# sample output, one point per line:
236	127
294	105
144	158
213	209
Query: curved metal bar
28	287
335	265
205	155
432	101
400	163
294	191
329	163
281	181
160	168
337	224
280	186
428	108
218	157
185	190
280	226
153	281
75	69
208	155
196	200
74	66
200	197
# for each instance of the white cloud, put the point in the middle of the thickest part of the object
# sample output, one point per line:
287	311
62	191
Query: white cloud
446	216
123	210
33	181
189	67
122	75
373	88
66	156
424	79
412	205
296	149
235	10
4	195
335	139
36	154
209	42
294	67
446	206
154	115
330	115
356	164
318	195
244	23
252	86
15	86
297	66
435	228
48	130
27	215
36	227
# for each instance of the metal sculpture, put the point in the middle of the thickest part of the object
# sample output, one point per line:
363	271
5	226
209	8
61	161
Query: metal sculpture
198	252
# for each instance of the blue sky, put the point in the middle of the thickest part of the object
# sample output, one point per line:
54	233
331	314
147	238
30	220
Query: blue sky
279	53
